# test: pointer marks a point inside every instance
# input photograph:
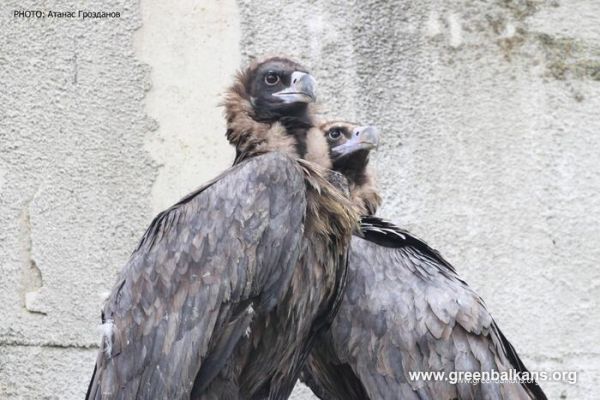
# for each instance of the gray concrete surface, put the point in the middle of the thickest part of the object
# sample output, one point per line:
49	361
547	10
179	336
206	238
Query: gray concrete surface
489	112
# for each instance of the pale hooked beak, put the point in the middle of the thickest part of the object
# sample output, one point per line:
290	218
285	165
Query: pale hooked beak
302	89
363	138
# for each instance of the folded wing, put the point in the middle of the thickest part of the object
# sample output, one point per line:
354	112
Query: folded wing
406	310
201	271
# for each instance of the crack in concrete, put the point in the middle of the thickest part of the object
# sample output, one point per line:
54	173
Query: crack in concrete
563	357
75	65
31	275
2	178
55	345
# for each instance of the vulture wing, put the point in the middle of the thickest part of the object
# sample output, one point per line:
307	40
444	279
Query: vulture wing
406	310
202	269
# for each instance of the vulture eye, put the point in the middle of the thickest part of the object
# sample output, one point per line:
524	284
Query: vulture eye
271	79
334	134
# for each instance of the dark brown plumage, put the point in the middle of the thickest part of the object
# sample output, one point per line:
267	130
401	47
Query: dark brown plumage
227	288
354	164
405	310
258	120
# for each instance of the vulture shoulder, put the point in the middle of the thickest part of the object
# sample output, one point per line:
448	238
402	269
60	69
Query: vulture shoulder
202	269
405	309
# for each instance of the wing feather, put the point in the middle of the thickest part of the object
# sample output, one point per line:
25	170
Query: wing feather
406	310
180	302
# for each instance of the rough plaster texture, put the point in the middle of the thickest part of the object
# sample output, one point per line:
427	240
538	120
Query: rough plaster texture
192	66
489	114
76	182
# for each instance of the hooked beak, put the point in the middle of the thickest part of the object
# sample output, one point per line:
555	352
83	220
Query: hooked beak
363	138
302	89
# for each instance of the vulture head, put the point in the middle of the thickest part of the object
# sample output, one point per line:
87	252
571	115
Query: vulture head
268	108
349	147
280	88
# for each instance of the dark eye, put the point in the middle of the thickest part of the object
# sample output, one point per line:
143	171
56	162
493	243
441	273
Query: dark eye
271	79
334	134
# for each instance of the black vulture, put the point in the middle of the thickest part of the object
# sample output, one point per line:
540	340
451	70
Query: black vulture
227	288
405	310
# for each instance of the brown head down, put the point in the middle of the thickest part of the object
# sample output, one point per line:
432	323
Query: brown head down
349	147
269	107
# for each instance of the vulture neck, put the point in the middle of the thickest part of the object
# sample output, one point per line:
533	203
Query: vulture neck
253	135
297	128
365	198
363	188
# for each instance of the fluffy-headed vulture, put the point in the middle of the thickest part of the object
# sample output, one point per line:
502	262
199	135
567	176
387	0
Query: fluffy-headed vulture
405	310
227	288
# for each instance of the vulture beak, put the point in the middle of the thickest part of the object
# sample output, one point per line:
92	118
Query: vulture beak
363	138
302	89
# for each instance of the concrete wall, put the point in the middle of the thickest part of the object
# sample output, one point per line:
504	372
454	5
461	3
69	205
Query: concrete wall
491	138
